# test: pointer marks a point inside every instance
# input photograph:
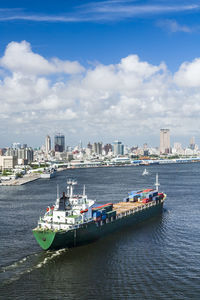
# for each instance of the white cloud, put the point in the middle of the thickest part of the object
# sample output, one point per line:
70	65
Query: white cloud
19	57
129	100
98	11
189	74
173	26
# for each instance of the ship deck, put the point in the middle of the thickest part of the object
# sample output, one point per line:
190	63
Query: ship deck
122	207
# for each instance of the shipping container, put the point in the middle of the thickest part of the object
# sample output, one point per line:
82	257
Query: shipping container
97	219
145	200
96	214
111	213
107	207
103	217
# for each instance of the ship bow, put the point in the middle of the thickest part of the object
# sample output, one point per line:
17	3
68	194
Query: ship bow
44	238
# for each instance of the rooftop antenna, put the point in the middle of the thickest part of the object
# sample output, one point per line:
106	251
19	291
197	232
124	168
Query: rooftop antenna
157	184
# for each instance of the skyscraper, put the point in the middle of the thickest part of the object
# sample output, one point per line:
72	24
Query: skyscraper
192	143
118	148
47	144
97	148
164	141
59	142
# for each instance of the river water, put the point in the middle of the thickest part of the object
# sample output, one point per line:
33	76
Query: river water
158	259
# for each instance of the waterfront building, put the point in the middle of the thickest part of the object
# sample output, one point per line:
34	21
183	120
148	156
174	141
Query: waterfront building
89	146
25	154
3	151
11	152
164	141
107	148
177	149
16	145
118	148
47	144
97	148
192	143
59	142
7	162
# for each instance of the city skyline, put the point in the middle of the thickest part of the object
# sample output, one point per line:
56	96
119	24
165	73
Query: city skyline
165	143
93	69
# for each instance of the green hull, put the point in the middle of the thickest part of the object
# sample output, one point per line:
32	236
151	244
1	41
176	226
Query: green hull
49	239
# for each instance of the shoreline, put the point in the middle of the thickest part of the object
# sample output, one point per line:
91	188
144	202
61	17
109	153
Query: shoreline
35	176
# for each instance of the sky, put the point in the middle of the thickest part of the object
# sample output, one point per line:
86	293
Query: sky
99	71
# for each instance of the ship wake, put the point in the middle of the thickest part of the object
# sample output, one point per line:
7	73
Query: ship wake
26	265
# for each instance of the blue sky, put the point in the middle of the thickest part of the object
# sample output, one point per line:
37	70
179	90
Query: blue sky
105	30
96	36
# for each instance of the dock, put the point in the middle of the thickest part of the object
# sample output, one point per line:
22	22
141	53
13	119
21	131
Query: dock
20	181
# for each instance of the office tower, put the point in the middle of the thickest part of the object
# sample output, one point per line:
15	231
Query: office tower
89	146
164	141
97	148
47	144
59	142
107	148
26	154
192	143
16	145
118	148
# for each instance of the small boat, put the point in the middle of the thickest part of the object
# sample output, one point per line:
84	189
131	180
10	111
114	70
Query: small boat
48	174
145	172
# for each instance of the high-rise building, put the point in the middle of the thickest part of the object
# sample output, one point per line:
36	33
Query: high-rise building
192	143
107	148
118	148
97	148
164	141
25	154
59	142
47	144
16	145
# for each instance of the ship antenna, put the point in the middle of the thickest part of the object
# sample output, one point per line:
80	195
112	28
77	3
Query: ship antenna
157	184
57	191
84	190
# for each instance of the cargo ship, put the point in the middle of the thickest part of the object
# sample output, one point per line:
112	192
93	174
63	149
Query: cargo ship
75	220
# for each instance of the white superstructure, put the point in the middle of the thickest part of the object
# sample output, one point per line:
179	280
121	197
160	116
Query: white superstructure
69	211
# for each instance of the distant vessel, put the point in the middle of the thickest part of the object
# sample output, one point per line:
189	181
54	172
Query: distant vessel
48	174
74	219
145	172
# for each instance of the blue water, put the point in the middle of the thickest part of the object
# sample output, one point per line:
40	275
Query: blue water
158	259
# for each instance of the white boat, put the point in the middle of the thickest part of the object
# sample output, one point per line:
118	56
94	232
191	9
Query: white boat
48	174
145	172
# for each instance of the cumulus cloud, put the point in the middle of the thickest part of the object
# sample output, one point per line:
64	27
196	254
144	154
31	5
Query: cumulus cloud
126	100
188	74
19	57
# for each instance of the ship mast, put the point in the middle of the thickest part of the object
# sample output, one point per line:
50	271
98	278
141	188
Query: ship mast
157	184
71	183
57	191
84	190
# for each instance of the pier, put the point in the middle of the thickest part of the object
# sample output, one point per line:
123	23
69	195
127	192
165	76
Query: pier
20	181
